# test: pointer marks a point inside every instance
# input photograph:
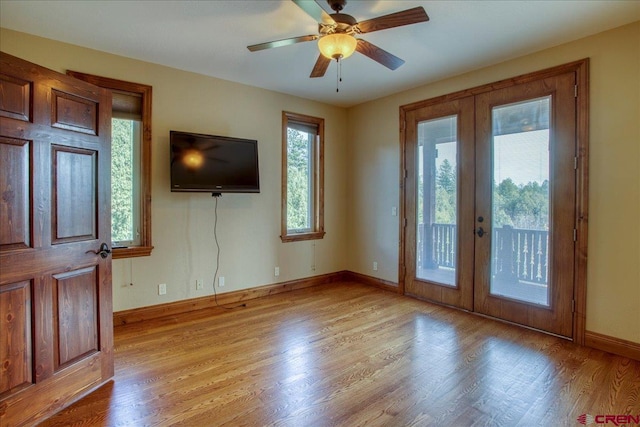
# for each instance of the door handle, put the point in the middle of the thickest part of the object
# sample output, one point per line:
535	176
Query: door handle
104	251
480	232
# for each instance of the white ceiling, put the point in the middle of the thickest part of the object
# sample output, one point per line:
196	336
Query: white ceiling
210	37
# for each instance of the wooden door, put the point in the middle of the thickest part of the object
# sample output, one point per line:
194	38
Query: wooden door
439	156
510	249
524	255
56	336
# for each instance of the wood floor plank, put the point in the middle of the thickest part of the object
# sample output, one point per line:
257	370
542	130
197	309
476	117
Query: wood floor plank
347	354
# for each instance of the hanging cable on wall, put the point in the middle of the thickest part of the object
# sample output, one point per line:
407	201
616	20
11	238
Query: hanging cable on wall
215	238
130	272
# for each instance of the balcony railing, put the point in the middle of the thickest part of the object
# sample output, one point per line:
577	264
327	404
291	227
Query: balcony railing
517	254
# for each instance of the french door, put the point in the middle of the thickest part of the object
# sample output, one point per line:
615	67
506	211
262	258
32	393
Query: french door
440	208
490	201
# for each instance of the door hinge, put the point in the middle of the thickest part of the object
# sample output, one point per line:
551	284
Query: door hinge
575	163
575	235
575	91
404	222
406	174
573	306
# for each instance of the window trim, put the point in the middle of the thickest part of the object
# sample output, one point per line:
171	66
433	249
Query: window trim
317	231
145	91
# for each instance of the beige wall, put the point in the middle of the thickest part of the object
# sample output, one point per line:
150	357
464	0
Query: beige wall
362	149
613	277
248	225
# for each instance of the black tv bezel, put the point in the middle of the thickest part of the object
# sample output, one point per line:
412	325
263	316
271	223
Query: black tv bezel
214	189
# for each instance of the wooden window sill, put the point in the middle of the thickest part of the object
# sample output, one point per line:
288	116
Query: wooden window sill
131	252
302	236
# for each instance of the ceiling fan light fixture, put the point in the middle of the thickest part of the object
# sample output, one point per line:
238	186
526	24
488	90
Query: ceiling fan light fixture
337	45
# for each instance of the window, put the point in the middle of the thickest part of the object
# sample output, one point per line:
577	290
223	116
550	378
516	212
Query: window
130	165
302	177
125	181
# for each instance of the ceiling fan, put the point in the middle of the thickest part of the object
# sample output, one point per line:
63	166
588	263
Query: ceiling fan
337	34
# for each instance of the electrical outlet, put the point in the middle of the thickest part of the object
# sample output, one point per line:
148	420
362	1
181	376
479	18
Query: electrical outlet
220	281
394	211
276	271
162	289
375	265
198	285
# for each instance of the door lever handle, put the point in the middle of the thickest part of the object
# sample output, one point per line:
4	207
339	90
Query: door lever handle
480	232
104	251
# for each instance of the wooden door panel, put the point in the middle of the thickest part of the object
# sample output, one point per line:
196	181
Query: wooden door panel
74	194
59	201
16	339
15	191
42	400
16	99
73	113
76	314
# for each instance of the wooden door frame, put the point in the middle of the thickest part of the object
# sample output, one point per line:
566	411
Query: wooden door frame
581	69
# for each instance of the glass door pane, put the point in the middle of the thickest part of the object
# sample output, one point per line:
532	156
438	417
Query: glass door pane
520	201
437	194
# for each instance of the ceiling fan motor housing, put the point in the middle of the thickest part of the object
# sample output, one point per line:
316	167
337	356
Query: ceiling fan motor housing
344	24
337	5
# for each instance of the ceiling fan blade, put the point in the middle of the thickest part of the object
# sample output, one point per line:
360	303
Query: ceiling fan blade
398	19
321	66
314	10
283	42
379	55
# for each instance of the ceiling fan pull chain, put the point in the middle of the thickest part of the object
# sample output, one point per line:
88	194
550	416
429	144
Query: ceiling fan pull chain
338	76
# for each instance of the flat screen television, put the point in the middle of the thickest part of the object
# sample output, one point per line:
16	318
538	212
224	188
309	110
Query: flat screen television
213	164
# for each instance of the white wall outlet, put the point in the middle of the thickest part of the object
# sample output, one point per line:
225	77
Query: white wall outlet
199	285
394	211
162	289
375	265
276	271
220	281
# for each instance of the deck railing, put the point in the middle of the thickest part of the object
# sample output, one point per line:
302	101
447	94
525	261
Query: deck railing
521	254
518	254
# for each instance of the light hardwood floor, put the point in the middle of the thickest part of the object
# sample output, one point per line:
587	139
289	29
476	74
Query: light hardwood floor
346	355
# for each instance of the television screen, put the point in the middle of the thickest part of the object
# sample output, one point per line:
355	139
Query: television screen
214	164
